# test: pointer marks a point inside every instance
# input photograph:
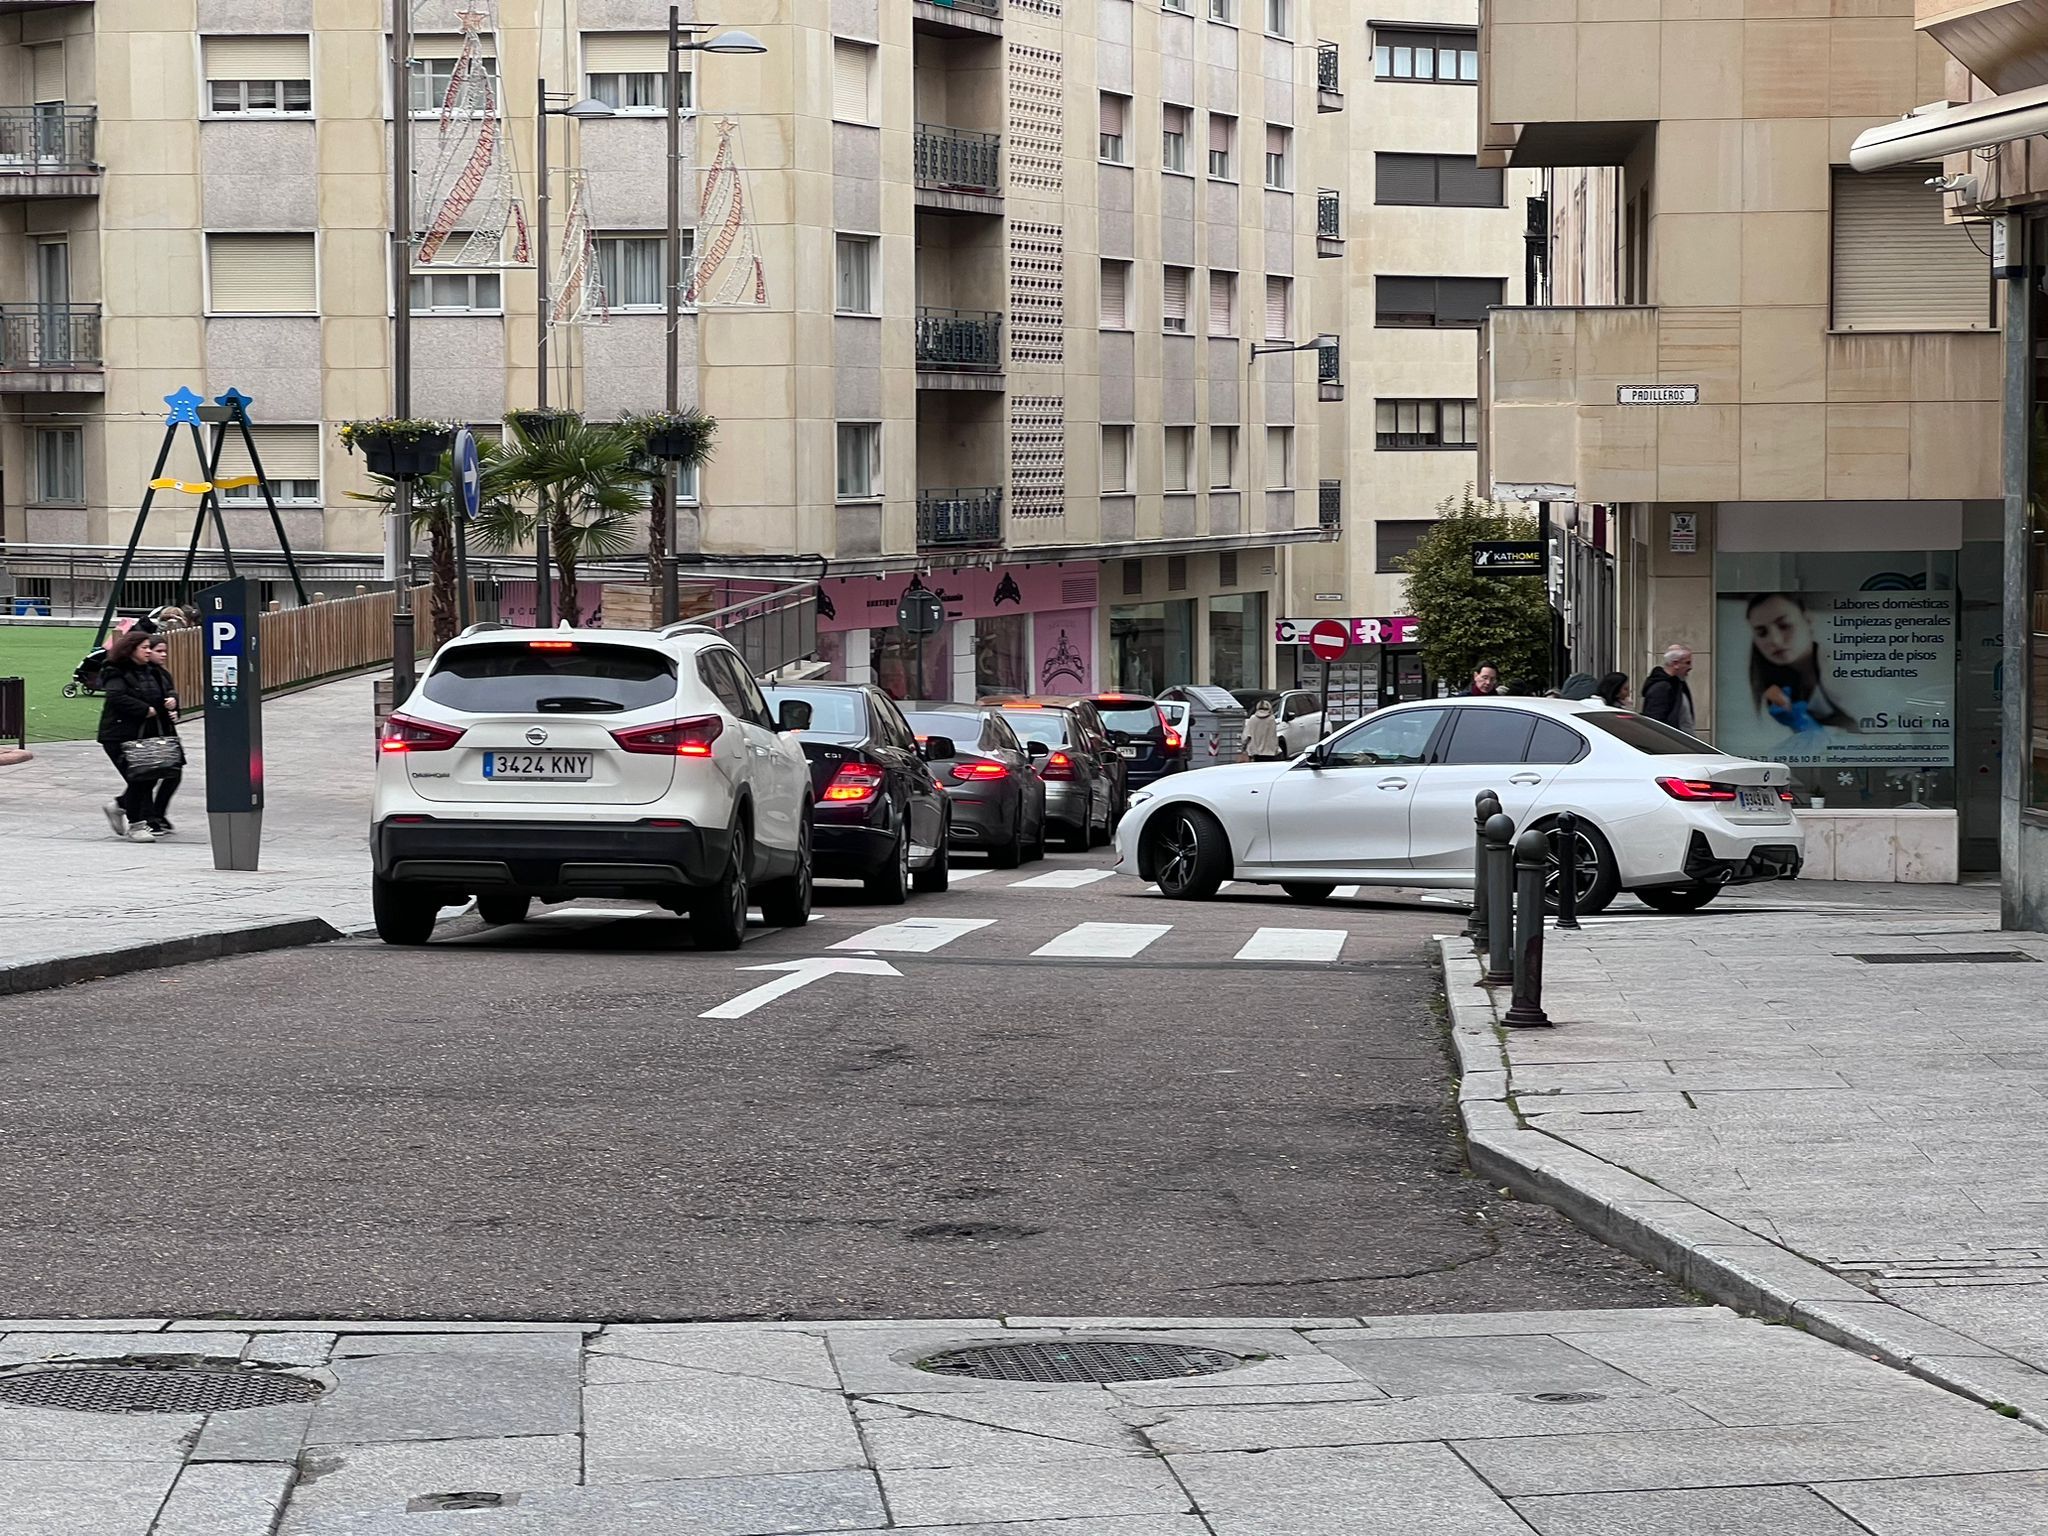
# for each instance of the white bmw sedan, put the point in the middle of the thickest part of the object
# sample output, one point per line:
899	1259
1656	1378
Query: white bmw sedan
1389	801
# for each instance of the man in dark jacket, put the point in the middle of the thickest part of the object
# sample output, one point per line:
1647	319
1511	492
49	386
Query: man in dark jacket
1666	694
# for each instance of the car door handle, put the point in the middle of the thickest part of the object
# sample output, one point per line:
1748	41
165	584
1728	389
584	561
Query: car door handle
1393	783
1525	778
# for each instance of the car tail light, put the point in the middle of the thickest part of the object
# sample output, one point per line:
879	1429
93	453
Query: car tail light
551	645
1695	789
1057	766
672	738
1785	795
854	784
967	772
402	733
1174	740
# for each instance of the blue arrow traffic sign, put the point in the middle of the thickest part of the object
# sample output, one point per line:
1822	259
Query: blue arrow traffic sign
469	474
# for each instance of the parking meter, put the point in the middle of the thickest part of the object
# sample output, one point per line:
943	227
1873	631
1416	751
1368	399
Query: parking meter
229	627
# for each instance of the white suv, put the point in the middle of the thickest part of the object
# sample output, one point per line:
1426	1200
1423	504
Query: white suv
534	764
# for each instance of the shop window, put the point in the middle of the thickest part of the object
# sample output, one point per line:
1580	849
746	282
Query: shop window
1237	640
1152	645
912	667
1002	654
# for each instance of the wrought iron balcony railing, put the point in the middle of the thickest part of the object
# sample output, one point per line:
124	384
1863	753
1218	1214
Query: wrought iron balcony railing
1330	503
49	336
961	340
961	516
953	160
1327	77
1329	214
50	140
1327	369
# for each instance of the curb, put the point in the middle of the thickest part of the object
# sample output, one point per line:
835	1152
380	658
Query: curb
68	970
1704	1252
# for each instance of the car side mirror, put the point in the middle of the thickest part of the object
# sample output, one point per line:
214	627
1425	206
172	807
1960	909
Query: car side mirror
938	749
1036	749
792	715
1314	757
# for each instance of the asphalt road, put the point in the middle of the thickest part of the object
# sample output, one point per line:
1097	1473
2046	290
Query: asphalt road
536	1122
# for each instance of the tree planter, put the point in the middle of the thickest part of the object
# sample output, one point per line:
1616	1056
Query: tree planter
671	443
402	458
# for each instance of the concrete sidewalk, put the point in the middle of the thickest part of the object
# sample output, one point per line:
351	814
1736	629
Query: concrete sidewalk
1684	1420
1836	1113
71	894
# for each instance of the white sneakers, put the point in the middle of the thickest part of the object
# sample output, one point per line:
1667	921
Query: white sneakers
118	820
139	834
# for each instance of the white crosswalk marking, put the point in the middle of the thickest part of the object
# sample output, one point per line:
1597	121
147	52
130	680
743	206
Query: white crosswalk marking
1294	944
1062	880
958	875
1103	941
915	935
1345	892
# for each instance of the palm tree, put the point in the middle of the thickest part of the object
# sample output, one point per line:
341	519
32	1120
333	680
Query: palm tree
583	477
434	510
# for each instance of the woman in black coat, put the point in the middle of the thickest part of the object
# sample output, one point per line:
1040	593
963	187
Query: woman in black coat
141	700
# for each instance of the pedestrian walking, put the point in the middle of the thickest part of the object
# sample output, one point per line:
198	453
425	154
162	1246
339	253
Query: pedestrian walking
1613	690
1262	733
139	730
1485	682
1666	694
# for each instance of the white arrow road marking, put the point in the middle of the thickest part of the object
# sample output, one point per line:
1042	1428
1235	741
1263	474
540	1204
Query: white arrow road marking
1294	944
801	973
1063	879
1103	941
915	935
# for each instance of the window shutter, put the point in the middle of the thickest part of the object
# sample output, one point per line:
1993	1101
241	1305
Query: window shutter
1116	458
1276	139
1405	178
262	274
1276	309
47	62
1464	183
289	453
1465	300
1112	113
443	45
850	81
1219	303
1114	285
257	58
1898	267
625	53
1219	132
1177	298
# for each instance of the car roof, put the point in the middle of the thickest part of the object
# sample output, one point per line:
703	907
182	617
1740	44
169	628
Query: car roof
1120	696
1034	701
1562	709
824	682
638	639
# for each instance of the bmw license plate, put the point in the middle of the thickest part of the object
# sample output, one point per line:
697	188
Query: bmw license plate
567	766
1761	800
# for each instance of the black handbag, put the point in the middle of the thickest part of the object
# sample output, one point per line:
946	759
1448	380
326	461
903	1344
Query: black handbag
147	758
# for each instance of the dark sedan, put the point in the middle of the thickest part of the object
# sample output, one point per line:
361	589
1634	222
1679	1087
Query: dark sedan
881	817
998	798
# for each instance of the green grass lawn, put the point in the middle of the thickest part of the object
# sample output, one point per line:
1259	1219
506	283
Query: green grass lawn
46	658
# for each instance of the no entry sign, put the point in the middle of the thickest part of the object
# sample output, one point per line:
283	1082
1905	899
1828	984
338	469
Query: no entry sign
1329	640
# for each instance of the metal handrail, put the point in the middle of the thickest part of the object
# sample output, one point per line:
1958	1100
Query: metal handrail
963	515
42	140
955	160
966	340
1329	213
1326	67
34	336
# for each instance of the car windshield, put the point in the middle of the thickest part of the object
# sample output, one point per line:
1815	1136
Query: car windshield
1132	719
1046	725
837	714
962	730
527	677
1651	736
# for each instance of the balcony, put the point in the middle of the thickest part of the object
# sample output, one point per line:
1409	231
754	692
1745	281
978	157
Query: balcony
959	349
1330	505
1329	82
966	517
958	18
1329	223
48	152
1329	374
958	171
51	349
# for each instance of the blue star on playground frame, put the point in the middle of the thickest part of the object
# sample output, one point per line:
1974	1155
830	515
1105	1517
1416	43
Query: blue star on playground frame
235	401
184	407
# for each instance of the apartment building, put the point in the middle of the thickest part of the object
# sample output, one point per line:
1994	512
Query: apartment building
1765	386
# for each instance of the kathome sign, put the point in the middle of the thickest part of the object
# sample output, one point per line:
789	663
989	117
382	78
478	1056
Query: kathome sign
1403	631
1657	394
1508	557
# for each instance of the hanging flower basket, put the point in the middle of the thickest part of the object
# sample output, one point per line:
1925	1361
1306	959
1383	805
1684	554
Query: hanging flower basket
676	436
399	449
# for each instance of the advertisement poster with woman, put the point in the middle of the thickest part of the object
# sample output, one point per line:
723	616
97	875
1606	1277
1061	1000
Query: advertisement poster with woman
1837	679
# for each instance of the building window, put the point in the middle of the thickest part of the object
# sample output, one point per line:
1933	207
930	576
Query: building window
860	460
1279	140
853	81
1279	308
1173	139
628	71
463	293
1897	265
1183	6
291	463
632	267
1116	117
1222	458
1394	540
1279	458
1175	314
686	481
1426	424
257	76
1222	135
1440	56
1426	302
1224	11
1280	17
858	284
431	73
1116	460
1437	181
1222	303
60	466
261	275
1179	459
1238	635
1116	293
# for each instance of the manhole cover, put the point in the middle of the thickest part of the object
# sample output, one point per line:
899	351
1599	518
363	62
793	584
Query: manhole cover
1954	957
153	1384
1567	1397
1080	1360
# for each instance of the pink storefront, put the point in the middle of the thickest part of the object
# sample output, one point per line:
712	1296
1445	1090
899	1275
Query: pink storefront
1013	629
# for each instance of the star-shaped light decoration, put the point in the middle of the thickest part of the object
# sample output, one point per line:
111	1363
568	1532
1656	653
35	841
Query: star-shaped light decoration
184	407
236	401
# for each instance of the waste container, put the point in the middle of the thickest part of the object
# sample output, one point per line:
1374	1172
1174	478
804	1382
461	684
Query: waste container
1215	723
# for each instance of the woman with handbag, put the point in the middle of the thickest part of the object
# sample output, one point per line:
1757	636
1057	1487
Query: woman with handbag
139	729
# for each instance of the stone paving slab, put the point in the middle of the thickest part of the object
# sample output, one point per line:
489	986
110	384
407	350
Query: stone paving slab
1650	1422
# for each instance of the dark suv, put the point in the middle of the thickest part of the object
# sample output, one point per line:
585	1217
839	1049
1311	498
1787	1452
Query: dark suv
1150	748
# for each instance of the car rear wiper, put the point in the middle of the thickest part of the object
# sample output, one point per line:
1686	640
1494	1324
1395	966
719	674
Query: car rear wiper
578	704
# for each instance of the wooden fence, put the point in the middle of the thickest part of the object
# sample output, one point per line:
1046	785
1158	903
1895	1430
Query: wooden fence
298	645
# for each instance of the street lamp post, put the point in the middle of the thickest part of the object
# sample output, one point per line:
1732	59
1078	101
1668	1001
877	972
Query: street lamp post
1261	349
398	537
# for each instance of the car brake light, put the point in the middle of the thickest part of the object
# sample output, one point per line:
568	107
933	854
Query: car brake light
854	783
551	645
402	733
1695	789
1173	740
1057	766
967	771
1785	795
672	738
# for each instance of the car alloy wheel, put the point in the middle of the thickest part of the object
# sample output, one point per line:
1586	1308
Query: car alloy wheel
1180	849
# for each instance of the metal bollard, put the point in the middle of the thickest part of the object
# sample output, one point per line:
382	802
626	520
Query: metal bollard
1532	863
1484	807
1568	870
1500	901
